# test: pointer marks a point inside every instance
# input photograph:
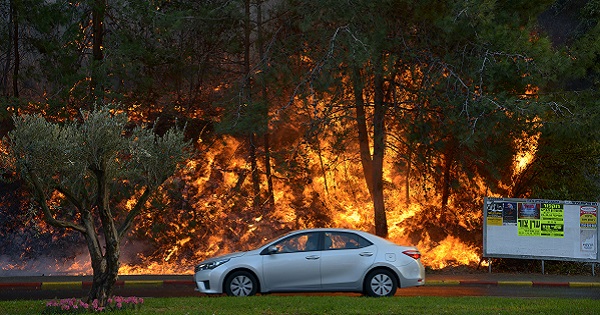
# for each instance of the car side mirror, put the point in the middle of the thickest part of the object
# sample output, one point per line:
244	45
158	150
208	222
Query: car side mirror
272	250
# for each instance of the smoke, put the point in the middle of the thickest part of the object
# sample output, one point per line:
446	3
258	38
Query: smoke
45	266
72	261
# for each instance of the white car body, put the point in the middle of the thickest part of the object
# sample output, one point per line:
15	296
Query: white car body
342	260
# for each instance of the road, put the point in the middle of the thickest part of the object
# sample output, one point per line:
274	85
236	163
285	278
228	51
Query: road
503	291
181	286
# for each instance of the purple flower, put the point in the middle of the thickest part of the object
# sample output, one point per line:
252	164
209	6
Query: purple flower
73	305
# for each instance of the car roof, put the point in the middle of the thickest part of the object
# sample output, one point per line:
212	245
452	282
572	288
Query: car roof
370	236
362	233
326	230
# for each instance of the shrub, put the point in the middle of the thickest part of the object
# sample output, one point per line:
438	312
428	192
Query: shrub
74	306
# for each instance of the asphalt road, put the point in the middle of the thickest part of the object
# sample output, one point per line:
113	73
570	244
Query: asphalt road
504	291
181	286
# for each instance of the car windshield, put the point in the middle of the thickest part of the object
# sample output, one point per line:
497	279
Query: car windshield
273	239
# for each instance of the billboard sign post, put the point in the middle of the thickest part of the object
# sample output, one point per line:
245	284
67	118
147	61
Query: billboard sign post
540	229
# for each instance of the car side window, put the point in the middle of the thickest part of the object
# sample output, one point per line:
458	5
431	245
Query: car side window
298	243
344	240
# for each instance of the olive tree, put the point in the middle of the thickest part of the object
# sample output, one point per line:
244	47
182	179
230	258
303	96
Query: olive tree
89	165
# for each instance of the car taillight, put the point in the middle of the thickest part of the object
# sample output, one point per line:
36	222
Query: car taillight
413	253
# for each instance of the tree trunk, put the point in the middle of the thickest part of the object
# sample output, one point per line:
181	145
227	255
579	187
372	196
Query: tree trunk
322	166
247	89
98	13
378	152
4	79
264	97
254	173
15	81
372	166
447	174
271	193
363	135
106	271
409	161
105	267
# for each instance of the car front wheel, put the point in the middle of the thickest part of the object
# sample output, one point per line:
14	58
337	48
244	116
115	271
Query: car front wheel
241	283
380	283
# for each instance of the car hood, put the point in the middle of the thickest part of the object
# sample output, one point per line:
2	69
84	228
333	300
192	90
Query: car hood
228	256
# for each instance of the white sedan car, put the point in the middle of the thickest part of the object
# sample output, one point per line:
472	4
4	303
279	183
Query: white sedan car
326	260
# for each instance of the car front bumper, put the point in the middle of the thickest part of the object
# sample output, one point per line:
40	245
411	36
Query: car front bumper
208	282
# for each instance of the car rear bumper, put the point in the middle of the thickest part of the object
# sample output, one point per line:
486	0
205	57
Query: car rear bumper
412	275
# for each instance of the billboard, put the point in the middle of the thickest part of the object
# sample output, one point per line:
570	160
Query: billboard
540	229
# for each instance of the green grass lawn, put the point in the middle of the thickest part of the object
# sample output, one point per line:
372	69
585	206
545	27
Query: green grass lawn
300	304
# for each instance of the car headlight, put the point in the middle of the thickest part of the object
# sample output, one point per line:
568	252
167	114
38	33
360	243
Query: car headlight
210	265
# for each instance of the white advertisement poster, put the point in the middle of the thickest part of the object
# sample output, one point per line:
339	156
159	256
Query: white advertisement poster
541	229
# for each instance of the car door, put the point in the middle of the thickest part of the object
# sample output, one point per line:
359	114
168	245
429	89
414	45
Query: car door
294	265
345	258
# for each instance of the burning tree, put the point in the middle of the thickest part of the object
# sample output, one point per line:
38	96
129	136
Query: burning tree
421	89
93	176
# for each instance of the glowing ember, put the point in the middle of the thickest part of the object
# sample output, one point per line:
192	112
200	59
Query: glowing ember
527	150
449	252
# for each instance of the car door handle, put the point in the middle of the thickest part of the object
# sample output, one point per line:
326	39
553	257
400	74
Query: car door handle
313	257
366	254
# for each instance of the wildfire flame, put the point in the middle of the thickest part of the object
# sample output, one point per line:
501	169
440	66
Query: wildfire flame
200	222
226	231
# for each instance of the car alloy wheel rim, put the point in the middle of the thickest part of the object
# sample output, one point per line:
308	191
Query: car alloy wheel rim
241	286
381	284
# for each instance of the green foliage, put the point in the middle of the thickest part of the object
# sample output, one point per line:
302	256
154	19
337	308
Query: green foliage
66	156
591	9
84	165
456	79
169	52
245	120
45	150
154	52
53	50
569	152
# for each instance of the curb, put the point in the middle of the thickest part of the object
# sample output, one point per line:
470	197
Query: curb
511	283
76	285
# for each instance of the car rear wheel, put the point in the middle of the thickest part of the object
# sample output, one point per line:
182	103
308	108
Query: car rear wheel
379	283
241	283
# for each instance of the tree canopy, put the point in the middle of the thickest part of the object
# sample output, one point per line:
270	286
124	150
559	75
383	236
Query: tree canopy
315	113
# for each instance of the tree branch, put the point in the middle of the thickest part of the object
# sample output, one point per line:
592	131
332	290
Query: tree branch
48	217
70	196
134	212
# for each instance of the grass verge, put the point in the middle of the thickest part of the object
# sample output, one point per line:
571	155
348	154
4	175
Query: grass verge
299	304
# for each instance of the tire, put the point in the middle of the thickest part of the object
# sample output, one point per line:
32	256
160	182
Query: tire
241	283
379	283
